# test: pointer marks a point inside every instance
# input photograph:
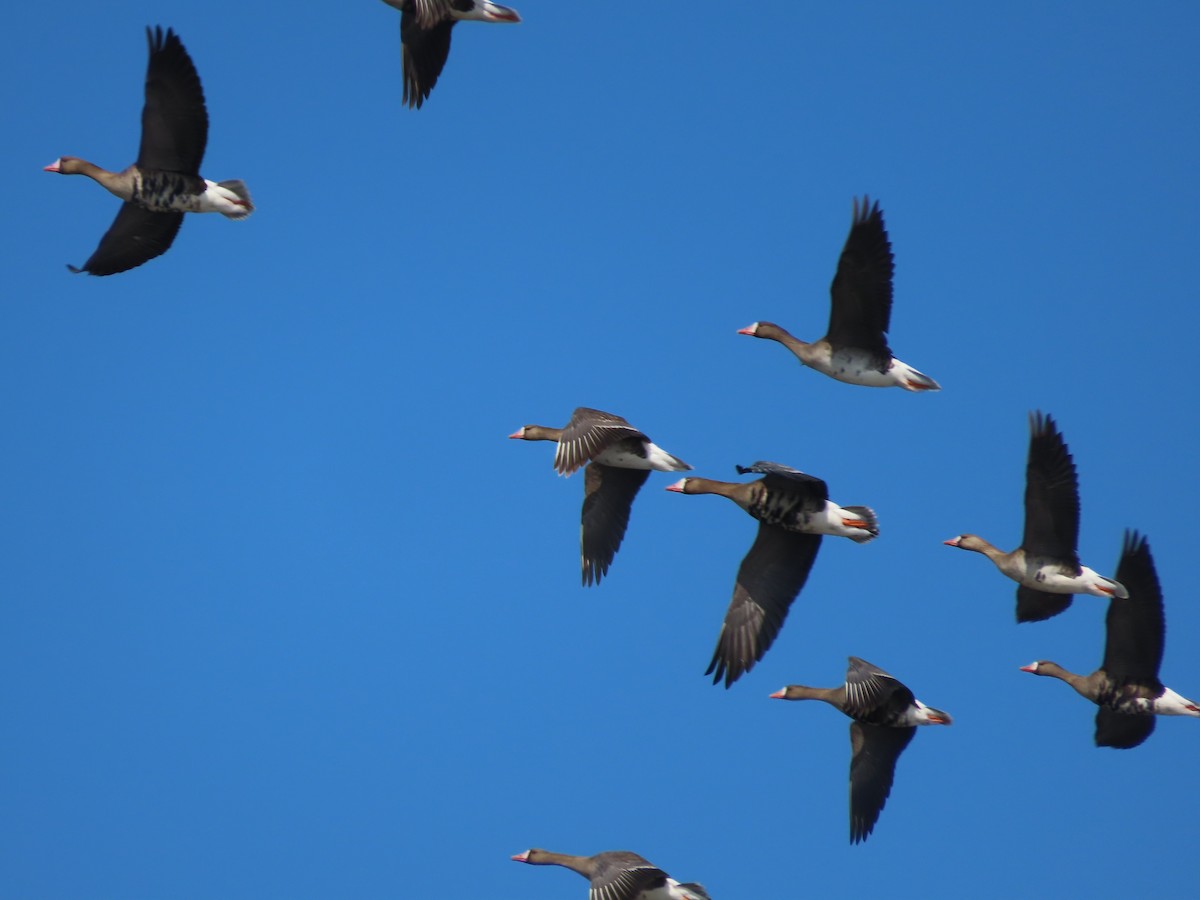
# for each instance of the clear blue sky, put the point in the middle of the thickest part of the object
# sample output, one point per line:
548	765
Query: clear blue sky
285	615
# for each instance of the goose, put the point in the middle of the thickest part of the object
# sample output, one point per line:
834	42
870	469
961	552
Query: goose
855	348
1126	686
620	458
793	511
165	181
618	875
1046	565
886	716
425	27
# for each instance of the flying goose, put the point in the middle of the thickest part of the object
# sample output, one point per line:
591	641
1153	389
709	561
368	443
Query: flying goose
886	716
618	875
165	181
855	348
1046	565
1126	686
425	27
793	511
620	458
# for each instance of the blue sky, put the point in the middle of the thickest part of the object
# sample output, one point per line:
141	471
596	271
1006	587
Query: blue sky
285	615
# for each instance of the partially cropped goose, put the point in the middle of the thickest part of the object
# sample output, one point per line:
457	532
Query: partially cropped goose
425	27
793	512
1126	686
618	875
1046	565
855	348
165	181
621	458
886	716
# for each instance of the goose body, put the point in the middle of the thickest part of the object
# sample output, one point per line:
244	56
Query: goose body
619	459
794	512
1126	687
1046	565
886	716
425	27
855	348
618	875
164	182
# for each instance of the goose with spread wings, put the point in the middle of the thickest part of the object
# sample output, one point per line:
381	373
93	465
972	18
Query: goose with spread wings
1046	565
165	181
855	348
793	512
886	716
619	459
1126	687
425	27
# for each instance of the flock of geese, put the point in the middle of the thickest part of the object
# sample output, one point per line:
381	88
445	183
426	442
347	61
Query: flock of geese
793	509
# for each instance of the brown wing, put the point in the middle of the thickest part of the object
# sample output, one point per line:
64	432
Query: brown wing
135	236
872	695
174	118
874	750
861	293
769	579
622	875
607	501
589	432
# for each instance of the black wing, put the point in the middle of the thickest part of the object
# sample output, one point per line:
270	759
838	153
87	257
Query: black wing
1121	730
872	695
1136	626
1034	606
769	579
1051	495
424	52
874	750
135	236
589	432
174	119
607	501
861	293
793	479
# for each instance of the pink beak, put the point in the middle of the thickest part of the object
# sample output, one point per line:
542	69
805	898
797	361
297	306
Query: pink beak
519	433
778	695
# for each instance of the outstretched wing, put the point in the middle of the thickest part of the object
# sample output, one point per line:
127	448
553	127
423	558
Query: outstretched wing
174	118
1034	606
424	51
1121	730
861	293
1051	495
1135	626
769	579
135	236
874	750
607	502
